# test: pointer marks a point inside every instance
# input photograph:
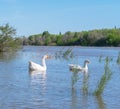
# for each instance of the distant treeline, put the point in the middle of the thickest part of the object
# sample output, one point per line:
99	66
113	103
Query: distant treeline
102	37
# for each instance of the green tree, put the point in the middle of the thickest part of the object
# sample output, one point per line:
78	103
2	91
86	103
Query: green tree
59	40
45	34
7	42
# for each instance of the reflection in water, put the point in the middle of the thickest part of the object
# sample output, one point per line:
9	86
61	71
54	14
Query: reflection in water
50	90
101	104
85	83
74	98
7	56
38	78
74	78
37	87
37	72
78	102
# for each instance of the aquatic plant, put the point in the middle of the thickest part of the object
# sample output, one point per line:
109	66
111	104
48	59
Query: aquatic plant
100	58
105	77
100	102
118	59
64	54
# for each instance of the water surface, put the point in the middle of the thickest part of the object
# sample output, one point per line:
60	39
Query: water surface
21	89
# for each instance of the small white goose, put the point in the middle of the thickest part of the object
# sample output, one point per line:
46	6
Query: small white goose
74	67
35	66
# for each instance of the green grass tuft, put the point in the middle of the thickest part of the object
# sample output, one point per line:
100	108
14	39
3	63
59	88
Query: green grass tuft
105	77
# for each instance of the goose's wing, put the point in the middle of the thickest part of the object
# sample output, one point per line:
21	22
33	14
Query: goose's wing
34	66
74	66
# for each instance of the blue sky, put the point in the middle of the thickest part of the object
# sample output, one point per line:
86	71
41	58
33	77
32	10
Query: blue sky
35	16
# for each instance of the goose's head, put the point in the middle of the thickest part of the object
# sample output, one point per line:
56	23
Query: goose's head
86	61
46	56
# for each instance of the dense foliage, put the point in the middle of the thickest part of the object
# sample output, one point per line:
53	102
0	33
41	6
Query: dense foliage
7	42
103	37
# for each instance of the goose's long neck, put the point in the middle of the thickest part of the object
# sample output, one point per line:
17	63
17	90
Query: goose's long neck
43	62
85	65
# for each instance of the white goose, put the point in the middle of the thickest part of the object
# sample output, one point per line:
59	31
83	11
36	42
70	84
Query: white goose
74	67
35	66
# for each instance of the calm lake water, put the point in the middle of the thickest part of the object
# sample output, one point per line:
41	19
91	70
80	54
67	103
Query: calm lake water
21	89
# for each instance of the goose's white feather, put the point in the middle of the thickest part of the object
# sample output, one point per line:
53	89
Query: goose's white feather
75	67
35	66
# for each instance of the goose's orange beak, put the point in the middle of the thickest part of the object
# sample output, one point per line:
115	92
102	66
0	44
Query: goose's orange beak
48	57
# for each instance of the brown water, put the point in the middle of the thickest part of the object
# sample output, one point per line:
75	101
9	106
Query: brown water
21	89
